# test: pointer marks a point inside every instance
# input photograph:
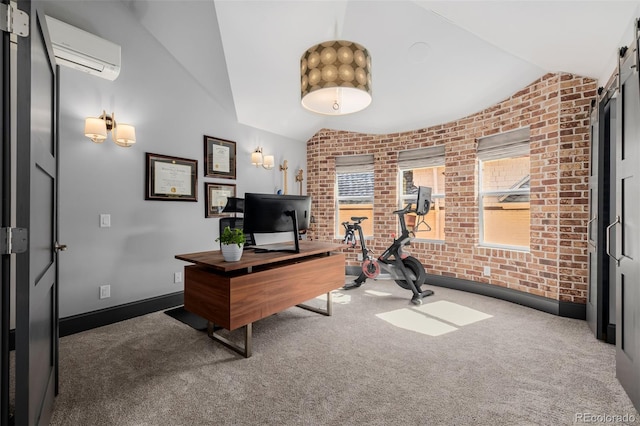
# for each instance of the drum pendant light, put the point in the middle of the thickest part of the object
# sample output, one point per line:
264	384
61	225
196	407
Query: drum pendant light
335	78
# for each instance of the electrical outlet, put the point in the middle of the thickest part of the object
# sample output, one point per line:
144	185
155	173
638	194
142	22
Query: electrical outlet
177	277
359	257
487	271
105	291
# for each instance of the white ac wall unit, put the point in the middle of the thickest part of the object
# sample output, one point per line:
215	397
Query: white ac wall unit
83	51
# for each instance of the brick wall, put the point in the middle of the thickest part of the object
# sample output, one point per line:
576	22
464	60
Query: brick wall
556	108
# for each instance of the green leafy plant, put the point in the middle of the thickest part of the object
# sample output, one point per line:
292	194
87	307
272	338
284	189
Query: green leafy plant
232	236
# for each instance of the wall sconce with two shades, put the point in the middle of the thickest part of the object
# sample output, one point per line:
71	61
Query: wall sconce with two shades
96	129
266	161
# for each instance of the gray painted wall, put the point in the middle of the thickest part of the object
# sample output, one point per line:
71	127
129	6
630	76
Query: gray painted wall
171	113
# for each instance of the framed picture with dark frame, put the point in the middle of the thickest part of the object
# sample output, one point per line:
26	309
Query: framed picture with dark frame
219	158
215	195
171	178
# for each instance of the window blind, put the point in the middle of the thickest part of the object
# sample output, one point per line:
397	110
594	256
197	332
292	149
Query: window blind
504	145
421	157
354	163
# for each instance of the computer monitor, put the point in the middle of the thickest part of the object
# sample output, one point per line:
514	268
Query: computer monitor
423	203
270	213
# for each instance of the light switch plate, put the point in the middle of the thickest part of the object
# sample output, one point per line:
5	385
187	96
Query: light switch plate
105	291
105	221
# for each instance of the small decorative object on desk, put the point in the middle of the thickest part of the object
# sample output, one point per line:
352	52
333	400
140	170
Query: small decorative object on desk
231	243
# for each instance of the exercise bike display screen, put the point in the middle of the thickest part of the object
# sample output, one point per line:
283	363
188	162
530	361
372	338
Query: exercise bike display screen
270	214
423	204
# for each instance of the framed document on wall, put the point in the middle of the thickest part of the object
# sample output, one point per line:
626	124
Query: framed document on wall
171	178
219	158
215	195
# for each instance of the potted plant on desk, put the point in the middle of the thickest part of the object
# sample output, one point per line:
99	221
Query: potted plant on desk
231	243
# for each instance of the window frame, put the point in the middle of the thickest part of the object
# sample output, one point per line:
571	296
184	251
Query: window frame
504	146
402	198
352	164
419	159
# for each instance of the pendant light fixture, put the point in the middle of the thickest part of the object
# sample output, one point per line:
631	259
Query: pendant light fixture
335	78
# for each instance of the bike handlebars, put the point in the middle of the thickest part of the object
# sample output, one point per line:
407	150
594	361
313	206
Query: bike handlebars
349	238
406	210
359	219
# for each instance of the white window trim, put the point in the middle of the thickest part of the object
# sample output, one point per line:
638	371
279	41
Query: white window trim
502	146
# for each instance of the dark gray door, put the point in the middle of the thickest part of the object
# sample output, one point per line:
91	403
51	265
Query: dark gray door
594	310
36	269
5	218
627	227
611	111
600	200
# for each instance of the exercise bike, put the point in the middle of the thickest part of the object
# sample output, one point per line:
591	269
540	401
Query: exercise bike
405	270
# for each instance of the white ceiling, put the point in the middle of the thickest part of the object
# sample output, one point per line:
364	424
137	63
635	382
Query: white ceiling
432	61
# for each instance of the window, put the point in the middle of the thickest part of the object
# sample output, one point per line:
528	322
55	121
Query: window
504	190
423	167
354	191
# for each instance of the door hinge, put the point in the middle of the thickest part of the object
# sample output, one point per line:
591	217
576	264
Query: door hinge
13	240
13	20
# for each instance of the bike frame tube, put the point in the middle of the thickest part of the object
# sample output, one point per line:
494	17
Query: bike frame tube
395	249
363	245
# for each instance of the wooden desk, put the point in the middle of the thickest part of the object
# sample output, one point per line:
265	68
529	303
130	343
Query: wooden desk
235	294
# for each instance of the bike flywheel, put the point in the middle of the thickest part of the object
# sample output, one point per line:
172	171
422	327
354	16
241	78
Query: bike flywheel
371	268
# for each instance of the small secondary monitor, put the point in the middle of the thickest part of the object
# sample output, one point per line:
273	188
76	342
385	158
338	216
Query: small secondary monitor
270	213
423	204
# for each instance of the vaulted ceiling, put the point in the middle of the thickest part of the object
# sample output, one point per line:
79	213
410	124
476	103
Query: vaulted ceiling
432	61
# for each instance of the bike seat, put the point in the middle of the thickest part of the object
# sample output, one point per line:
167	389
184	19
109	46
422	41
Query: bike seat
359	218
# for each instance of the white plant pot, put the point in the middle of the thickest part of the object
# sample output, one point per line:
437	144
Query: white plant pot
231	252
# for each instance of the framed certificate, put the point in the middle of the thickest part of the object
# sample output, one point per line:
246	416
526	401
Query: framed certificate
171	178
215	195
219	158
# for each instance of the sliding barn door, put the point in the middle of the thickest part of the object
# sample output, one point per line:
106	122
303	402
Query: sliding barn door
609	267
626	226
594	292
600	286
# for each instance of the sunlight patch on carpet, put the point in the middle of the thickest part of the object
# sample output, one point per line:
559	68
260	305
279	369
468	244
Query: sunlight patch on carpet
336	297
433	319
408	319
377	293
452	312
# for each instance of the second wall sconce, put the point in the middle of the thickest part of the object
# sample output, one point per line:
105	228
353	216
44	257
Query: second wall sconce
96	129
257	159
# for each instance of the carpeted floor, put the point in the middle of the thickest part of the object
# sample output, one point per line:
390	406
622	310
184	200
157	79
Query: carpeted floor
460	359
